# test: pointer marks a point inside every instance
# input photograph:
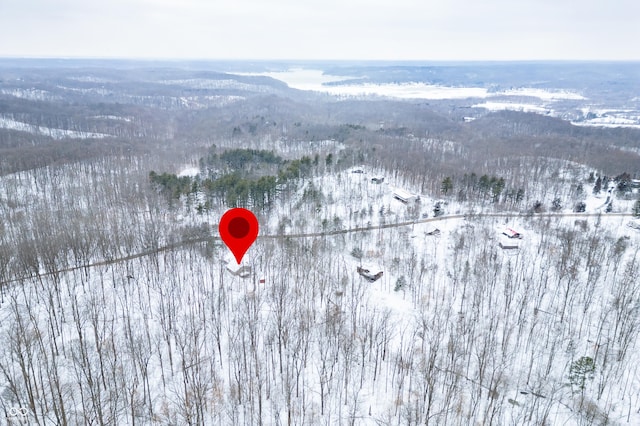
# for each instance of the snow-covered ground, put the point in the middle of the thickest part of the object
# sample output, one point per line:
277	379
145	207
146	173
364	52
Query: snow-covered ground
543	94
204	83
9	123
456	331
608	117
113	117
189	171
31	94
405	91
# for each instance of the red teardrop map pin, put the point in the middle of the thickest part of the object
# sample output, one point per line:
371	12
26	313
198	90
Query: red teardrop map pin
238	229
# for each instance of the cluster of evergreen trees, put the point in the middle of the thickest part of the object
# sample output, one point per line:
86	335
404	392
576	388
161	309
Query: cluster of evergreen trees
623	183
237	186
239	158
238	191
485	186
171	184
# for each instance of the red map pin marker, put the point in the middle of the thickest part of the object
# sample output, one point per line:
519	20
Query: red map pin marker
238	229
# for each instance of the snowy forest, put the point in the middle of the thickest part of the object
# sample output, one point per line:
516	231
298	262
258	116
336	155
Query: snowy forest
508	246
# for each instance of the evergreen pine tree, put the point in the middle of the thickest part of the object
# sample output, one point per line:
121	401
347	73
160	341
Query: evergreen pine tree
598	186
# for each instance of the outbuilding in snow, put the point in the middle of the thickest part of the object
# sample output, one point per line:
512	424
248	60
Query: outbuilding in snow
239	270
506	243
404	196
432	231
371	273
377	180
512	233
634	224
242	271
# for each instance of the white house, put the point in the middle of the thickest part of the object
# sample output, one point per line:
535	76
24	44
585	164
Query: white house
404	196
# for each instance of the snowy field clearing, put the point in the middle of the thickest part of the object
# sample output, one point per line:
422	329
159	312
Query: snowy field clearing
8	123
610	121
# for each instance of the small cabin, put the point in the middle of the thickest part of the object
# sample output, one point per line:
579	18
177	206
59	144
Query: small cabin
512	233
377	180
239	270
432	231
404	196
371	273
242	271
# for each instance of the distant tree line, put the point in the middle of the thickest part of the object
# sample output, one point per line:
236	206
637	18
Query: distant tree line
239	158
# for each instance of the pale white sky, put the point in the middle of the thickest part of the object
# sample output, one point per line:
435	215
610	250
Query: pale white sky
327	29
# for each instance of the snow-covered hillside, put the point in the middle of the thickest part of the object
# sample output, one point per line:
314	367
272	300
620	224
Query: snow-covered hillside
425	255
568	104
457	330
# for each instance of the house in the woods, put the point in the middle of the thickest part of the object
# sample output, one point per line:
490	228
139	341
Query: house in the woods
510	233
377	180
239	270
404	196
634	224
432	231
371	273
242	271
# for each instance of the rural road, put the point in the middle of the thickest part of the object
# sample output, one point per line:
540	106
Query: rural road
317	234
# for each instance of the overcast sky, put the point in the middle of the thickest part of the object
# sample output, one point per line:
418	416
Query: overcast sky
327	29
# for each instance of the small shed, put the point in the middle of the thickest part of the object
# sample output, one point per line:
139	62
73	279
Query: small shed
377	180
371	273
506	243
404	196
